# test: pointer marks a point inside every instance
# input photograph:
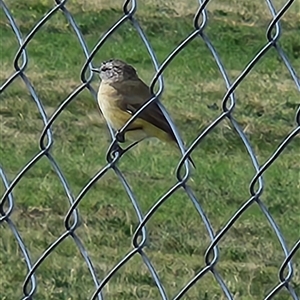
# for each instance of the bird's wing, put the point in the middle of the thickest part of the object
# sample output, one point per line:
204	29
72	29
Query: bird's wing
139	94
152	113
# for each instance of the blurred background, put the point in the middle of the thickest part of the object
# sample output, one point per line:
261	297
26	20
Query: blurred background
267	100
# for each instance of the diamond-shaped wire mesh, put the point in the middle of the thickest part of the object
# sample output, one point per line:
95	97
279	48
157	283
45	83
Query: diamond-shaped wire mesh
140	237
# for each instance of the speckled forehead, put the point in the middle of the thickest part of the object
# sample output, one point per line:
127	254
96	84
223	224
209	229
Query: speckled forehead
114	63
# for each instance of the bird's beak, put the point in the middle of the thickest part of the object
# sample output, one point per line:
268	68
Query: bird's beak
96	70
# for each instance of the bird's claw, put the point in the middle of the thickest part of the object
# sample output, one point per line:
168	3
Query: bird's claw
115	150
120	136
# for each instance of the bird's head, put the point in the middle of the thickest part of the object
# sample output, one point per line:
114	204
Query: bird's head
115	70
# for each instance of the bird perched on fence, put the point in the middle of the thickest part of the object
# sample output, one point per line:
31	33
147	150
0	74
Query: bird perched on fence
121	93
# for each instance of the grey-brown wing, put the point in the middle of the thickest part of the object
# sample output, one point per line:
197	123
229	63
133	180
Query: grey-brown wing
152	114
135	96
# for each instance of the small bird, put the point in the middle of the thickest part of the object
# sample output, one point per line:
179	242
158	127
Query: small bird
121	93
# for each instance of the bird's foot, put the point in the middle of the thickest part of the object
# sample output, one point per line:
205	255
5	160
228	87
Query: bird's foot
120	136
115	150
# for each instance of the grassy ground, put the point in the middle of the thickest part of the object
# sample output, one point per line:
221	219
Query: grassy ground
250	254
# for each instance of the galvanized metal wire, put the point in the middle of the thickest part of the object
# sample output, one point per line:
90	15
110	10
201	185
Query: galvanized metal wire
140	237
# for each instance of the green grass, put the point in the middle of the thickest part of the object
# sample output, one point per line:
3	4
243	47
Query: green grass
250	254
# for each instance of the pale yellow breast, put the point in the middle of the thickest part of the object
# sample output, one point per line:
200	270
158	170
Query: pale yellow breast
108	99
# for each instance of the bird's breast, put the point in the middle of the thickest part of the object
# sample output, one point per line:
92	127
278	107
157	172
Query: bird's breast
108	100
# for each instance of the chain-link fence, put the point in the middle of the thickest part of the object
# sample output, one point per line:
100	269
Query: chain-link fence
140	237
